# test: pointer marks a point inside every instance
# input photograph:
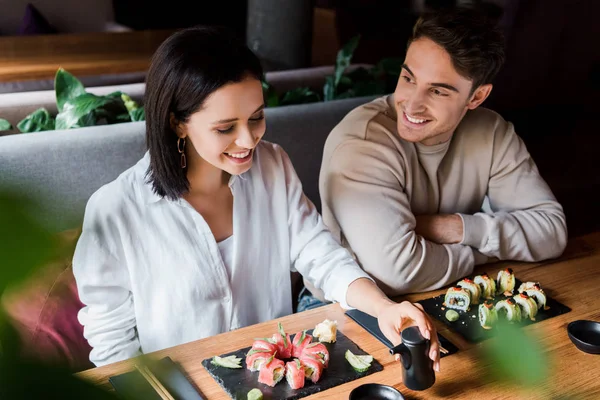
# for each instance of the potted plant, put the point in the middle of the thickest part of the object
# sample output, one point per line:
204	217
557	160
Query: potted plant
78	108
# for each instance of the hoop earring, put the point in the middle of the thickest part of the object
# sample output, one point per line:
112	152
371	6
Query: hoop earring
181	150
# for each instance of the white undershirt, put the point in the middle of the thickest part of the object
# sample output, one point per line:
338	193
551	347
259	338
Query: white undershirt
226	250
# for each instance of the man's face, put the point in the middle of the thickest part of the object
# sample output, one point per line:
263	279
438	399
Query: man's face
431	97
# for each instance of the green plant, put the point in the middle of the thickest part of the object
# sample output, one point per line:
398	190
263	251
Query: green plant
377	80
27	245
78	108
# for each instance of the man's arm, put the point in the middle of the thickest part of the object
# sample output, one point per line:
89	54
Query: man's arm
440	228
526	223
365	195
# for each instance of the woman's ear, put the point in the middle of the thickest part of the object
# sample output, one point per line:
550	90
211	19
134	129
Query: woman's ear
177	126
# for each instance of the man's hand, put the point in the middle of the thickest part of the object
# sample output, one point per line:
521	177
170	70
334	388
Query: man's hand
440	228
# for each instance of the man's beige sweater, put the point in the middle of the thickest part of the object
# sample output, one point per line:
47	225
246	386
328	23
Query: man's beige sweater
373	184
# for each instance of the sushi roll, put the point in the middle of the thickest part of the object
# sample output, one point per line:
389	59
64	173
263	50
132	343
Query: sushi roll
506	281
318	351
457	298
294	374
265	344
301	340
528	305
487	314
509	309
534	290
283	343
472	288
313	368
256	358
487	285
272	372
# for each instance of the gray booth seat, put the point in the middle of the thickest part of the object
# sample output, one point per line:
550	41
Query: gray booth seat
63	168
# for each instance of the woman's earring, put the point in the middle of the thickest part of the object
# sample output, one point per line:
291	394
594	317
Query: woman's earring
181	150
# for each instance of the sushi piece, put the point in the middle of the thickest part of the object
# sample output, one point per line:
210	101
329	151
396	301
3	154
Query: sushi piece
326	331
301	340
313	368
528	305
265	344
487	314
256	358
509	309
457	298
472	288
534	290
283	343
505	281
272	372
317	350
294	374
487	285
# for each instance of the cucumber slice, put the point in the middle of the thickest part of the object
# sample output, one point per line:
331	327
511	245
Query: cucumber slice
227	362
359	363
255	394
451	315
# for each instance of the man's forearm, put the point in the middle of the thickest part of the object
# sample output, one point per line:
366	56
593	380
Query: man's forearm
440	228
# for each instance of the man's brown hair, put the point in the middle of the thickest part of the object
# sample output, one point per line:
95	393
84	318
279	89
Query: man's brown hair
474	41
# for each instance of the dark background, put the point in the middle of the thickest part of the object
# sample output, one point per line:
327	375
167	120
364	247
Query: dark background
549	86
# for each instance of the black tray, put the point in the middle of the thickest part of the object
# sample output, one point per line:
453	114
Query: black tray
468	325
238	382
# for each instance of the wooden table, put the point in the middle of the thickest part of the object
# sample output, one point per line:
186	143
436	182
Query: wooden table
573	279
38	57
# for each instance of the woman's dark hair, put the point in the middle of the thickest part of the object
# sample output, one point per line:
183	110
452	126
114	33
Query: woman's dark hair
473	40
185	69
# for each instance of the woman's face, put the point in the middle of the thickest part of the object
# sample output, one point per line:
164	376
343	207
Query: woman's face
226	130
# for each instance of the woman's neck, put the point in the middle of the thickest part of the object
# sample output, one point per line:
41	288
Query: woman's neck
205	179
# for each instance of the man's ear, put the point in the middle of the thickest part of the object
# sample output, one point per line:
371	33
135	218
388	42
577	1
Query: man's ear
479	96
177	127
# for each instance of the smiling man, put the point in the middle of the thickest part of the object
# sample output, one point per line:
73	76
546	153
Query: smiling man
405	177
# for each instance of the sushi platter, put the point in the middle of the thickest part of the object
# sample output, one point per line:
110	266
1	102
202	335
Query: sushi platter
474	305
288	366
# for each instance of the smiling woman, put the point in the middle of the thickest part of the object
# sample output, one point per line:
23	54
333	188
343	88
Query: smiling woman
199	237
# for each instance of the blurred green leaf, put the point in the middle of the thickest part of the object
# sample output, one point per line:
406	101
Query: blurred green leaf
38	121
136	112
66	87
515	357
300	95
79	112
25	244
270	95
329	89
5	125
344	57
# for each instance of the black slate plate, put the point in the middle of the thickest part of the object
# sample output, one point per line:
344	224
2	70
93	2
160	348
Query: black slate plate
370	324
467	324
238	382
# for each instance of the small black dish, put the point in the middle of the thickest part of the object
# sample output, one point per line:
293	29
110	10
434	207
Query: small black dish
375	391
585	335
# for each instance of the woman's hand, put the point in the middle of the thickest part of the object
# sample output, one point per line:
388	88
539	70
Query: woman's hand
395	317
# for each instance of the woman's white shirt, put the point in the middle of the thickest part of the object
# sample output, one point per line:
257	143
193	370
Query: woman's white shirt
151	275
